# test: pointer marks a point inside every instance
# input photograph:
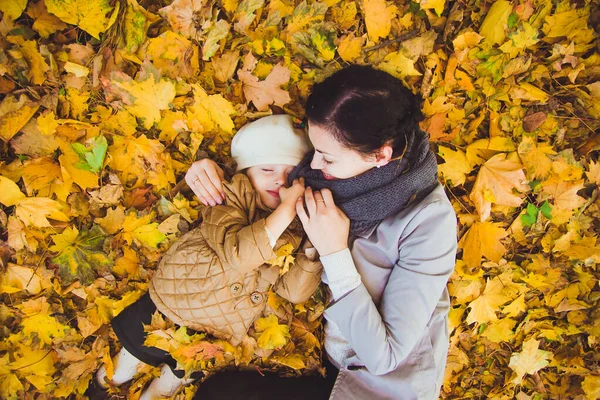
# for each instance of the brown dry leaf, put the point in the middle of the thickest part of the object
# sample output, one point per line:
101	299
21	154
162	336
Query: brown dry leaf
264	93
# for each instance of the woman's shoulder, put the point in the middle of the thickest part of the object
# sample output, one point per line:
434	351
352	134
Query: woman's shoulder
435	208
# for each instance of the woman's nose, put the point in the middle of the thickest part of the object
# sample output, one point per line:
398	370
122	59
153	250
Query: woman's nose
316	163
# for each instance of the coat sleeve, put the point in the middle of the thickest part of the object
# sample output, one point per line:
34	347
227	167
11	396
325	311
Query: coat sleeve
382	337
302	279
238	242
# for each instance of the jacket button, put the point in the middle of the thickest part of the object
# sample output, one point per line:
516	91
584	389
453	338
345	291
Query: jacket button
256	298
236	288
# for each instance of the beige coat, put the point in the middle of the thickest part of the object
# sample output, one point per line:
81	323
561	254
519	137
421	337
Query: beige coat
215	278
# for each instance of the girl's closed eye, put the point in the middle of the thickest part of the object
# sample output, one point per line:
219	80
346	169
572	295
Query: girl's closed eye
325	161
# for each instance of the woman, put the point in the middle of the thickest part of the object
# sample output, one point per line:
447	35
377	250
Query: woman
386	235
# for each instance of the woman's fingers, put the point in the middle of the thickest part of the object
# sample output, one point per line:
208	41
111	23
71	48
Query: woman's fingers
327	197
301	212
205	179
216	177
309	199
208	189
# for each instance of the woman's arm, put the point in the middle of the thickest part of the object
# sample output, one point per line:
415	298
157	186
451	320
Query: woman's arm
384	336
205	178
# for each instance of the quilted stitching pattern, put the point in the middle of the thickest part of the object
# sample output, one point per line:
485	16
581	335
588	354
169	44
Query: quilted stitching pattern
193	283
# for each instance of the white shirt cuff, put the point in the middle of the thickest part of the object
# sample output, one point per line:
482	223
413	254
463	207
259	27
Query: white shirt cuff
272	238
341	272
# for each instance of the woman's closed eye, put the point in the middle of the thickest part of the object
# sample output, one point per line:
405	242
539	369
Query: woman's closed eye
327	161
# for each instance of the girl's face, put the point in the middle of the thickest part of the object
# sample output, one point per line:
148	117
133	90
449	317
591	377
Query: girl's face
267	179
335	160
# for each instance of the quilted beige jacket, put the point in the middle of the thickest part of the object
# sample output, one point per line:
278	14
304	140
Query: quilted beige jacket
215	278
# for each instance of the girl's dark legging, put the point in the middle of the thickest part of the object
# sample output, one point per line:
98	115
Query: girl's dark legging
250	385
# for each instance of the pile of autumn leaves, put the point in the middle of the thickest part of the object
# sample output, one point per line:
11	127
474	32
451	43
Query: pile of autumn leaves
104	108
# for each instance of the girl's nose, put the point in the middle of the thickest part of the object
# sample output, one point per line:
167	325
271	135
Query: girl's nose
280	180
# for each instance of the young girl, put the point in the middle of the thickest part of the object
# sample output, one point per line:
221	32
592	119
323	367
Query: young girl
214	278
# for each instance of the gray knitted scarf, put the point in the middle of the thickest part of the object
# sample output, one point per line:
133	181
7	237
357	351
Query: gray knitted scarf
374	195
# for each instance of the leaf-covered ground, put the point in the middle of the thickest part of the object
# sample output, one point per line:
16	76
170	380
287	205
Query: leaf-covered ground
105	104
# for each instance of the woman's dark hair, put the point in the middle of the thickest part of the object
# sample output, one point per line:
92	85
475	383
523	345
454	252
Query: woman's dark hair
365	108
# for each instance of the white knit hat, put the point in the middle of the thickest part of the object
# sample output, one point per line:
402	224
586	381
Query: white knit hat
269	140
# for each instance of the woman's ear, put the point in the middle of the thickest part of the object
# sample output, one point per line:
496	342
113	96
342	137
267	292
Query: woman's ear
384	155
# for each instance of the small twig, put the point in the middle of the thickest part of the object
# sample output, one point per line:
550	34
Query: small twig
403	37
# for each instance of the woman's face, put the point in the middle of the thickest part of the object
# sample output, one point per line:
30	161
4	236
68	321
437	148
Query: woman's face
335	160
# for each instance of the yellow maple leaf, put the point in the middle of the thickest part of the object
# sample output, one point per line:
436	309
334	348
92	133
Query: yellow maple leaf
272	335
529	361
483	308
37	366
397	64
17	278
496	182
500	331
142	230
44	326
36	211
295	361
88	15
345	16
591	387
535	157
47	123
10	194
13	8
378	18
482	239
284	258
145	99
456	166
481	150
127	265
217	32
210	112
594	172
12	121
436	5
113	221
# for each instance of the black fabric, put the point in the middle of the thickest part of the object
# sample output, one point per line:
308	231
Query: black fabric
130	331
250	385
374	195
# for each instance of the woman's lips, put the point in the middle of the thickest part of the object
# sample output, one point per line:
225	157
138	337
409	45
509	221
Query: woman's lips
328	177
273	193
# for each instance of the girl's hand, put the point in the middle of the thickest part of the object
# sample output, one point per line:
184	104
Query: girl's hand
327	227
205	178
290	195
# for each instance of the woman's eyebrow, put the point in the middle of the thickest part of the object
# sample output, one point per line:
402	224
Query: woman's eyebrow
322	152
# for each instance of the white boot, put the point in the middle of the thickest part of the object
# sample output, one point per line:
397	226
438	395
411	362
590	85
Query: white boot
126	366
164	386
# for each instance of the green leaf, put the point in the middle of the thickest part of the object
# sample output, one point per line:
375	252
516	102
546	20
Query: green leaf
530	217
91	160
546	210
81	258
513	19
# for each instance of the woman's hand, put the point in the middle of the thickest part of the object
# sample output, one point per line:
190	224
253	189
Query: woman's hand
205	178
327	227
